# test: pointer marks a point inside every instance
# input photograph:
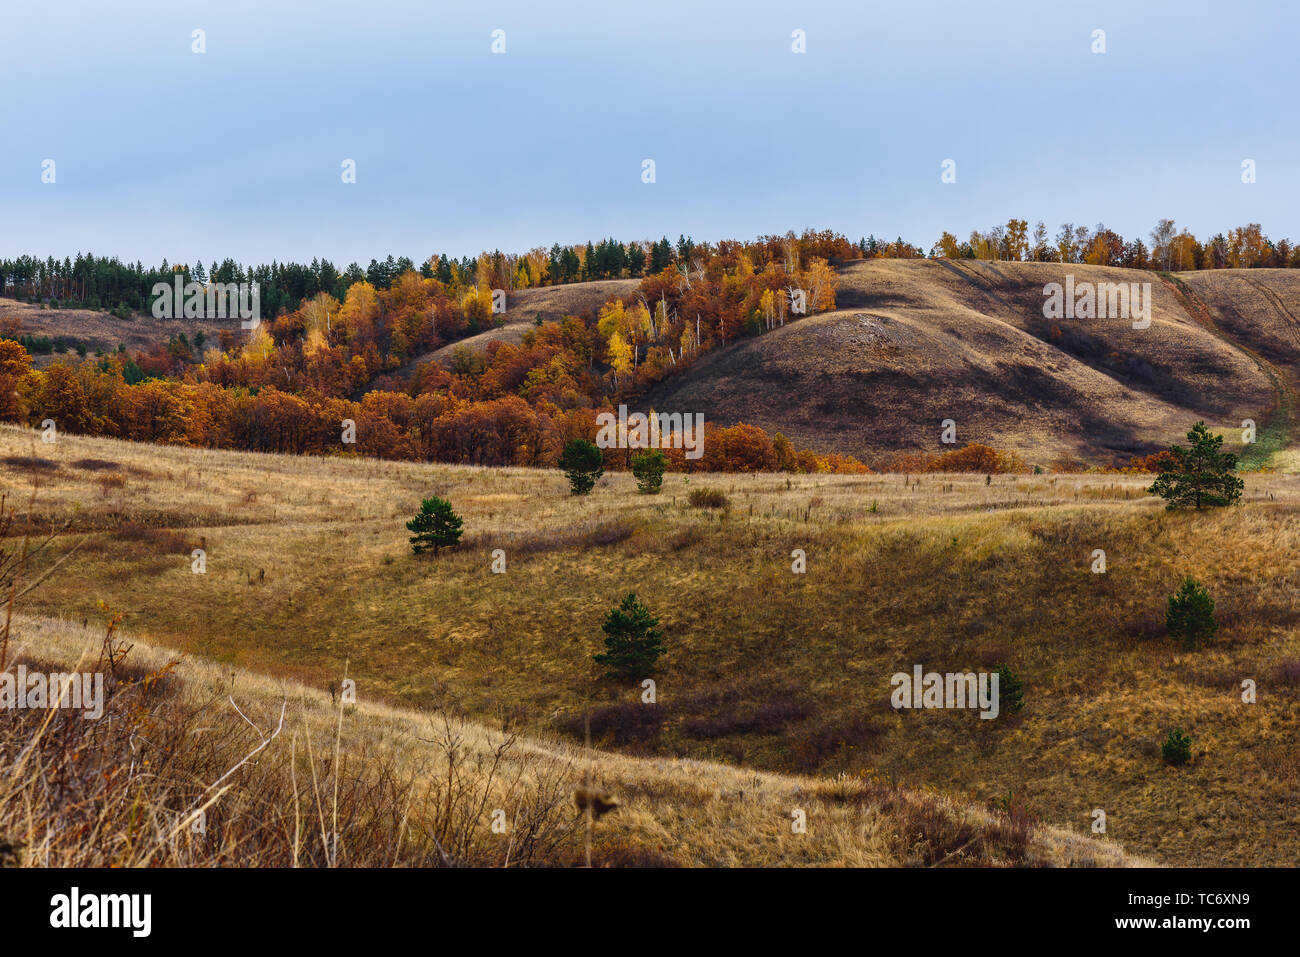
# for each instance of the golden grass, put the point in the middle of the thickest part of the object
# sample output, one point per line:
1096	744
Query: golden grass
308	567
373	785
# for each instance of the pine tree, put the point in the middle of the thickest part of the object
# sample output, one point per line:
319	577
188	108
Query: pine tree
633	642
1189	618
1177	747
436	526
1199	476
649	467
1011	691
582	463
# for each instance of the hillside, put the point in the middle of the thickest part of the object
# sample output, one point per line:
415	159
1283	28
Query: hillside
308	572
398	762
523	306
103	331
914	342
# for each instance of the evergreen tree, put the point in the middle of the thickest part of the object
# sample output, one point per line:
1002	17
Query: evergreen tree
633	642
661	256
436	526
1011	691
1177	747
1198	476
1189	617
582	463
649	467
635	260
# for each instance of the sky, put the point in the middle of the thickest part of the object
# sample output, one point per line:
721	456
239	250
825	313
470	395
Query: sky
161	152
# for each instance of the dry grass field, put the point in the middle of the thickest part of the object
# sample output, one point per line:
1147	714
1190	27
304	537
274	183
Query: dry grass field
767	671
196	764
914	342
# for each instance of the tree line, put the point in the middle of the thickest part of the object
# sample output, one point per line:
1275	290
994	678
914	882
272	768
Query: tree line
100	282
1171	248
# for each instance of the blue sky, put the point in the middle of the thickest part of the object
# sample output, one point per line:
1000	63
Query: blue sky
162	152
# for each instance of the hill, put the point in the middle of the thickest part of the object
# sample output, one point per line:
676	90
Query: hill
524	306
308	572
103	331
406	788
915	342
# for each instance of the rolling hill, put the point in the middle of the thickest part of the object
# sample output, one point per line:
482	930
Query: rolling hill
914	342
767	672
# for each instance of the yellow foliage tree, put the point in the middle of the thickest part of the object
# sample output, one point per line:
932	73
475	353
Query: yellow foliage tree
620	357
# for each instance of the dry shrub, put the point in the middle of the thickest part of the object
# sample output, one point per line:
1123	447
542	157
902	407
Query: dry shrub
588	535
976	458
994	652
108	483
707	498
1222	676
96	465
1287	672
616	852
688	537
33	463
743	706
762	718
934	832
127	790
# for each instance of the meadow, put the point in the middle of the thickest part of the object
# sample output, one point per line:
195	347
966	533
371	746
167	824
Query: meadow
308	573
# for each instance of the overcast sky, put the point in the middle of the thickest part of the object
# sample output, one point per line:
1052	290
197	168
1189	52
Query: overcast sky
162	152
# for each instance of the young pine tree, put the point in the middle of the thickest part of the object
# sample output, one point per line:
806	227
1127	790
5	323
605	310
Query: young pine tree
1177	747
649	467
633	642
1199	476
1011	691
582	463
1189	618
436	526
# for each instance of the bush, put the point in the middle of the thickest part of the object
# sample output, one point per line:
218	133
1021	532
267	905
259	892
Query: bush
1189	618
1011	691
648	467
436	526
707	498
1177	748
582	463
632	640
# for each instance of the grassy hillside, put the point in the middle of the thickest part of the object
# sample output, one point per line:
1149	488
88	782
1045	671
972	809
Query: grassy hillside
372	785
915	342
104	331
308	568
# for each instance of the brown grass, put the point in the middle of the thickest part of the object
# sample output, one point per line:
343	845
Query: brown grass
947	571
915	342
197	765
